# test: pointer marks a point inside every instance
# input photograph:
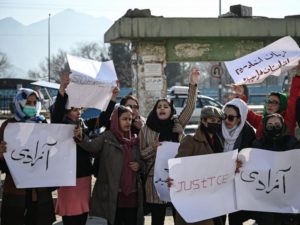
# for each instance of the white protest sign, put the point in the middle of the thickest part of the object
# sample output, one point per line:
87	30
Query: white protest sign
269	181
166	151
274	59
91	83
41	155
203	186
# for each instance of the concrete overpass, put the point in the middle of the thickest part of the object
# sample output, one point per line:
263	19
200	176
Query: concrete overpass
157	40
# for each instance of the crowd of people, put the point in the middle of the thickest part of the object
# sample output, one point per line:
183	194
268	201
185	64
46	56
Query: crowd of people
122	157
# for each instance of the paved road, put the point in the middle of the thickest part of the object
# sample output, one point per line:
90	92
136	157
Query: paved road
168	221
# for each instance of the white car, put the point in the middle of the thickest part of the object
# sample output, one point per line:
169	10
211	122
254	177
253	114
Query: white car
179	96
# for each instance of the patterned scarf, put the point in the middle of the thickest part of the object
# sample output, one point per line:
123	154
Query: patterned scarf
20	101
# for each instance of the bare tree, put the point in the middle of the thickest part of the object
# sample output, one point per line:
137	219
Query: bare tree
4	63
92	50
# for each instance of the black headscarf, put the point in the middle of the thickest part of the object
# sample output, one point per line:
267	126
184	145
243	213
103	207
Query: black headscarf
163	127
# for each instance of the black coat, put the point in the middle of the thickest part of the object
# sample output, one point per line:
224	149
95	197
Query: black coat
246	137
83	158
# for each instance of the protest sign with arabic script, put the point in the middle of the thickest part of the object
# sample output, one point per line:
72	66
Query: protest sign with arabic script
166	151
269	181
91	83
41	155
274	59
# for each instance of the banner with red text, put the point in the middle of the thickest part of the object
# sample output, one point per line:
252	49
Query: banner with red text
203	186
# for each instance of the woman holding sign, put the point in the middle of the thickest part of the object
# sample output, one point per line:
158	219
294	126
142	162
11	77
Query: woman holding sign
275	137
276	102
73	202
206	140
31	205
237	134
117	194
158	128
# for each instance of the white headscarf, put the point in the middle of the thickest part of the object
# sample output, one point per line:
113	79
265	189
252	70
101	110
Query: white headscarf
230	135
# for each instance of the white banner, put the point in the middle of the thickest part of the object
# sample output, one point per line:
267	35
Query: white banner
89	96
91	83
41	155
166	151
203	186
274	59
269	181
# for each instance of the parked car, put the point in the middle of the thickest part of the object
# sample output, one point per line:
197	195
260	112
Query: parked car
179	96
190	129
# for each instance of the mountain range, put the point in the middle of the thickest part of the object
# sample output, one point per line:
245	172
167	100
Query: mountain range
27	46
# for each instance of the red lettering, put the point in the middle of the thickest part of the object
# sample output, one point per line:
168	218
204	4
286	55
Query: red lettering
211	180
180	186
195	184
219	182
203	183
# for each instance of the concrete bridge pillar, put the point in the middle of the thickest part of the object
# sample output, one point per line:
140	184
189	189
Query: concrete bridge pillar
149	80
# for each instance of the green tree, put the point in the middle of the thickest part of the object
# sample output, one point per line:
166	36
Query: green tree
174	74
120	54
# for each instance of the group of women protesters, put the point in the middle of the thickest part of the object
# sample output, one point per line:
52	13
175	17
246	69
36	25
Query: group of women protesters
126	153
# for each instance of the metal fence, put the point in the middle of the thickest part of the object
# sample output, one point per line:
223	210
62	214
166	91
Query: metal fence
5	105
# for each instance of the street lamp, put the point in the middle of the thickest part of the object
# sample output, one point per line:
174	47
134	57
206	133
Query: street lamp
49	47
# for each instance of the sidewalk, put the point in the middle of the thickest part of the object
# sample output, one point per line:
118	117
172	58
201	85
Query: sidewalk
100	221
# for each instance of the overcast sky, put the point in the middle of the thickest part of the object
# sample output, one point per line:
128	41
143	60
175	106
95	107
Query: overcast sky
30	11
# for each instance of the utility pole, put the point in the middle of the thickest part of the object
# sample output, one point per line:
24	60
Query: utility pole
220	7
49	47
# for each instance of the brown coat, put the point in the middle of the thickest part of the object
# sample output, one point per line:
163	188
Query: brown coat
105	192
192	146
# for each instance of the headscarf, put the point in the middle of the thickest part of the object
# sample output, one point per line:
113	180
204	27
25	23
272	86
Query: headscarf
163	127
283	99
230	135
128	178
19	103
284	130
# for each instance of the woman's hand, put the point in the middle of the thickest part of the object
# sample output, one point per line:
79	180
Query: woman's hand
78	134
64	82
115	91
2	148
134	166
138	123
195	75
155	144
170	182
238	165
177	128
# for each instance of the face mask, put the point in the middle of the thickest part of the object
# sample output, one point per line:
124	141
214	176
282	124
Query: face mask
274	132
213	128
29	110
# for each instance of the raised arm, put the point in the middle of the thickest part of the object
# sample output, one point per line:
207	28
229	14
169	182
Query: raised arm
290	115
187	111
57	111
